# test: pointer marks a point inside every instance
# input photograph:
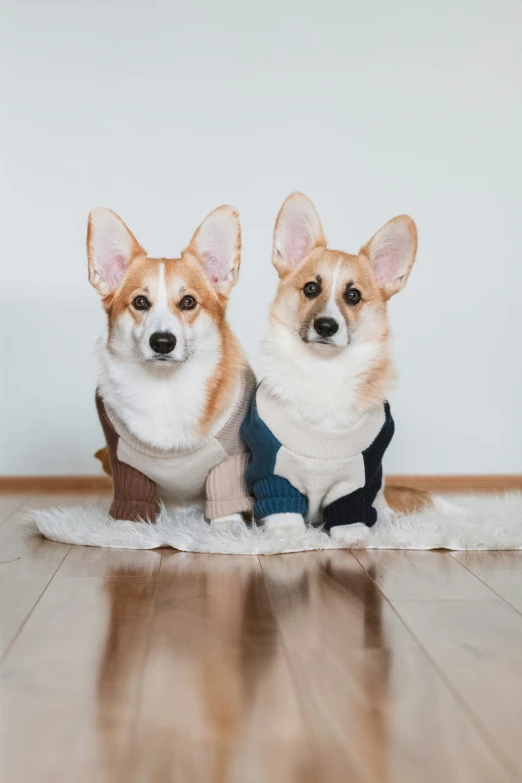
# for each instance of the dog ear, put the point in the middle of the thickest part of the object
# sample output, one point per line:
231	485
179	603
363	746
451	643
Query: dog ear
110	249
391	252
298	231
217	245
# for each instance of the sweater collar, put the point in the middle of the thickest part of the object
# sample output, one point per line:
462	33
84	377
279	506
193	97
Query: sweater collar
307	440
228	423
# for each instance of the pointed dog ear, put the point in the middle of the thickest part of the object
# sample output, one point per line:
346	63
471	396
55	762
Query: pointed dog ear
391	252
298	231
217	245
110	249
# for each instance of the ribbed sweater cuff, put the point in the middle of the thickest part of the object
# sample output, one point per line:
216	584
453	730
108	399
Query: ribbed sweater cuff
344	513
275	498
215	509
133	510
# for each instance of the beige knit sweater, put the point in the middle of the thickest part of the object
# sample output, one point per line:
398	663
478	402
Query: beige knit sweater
213	471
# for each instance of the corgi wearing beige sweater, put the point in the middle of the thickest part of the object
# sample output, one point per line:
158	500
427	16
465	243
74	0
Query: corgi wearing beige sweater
173	383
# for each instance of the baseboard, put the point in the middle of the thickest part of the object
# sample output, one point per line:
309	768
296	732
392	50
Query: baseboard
99	484
457	483
55	484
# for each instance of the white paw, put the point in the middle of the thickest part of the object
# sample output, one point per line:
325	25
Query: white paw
352	536
286	522
227	524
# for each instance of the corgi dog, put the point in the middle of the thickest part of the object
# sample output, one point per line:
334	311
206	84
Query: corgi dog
173	383
320	422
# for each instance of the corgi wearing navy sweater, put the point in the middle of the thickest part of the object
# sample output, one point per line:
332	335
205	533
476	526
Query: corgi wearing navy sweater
319	423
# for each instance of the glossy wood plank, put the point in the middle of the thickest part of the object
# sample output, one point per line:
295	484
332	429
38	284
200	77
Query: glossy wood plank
48	500
298	669
478	647
500	571
402	574
94	561
27	564
218	699
479	562
69	685
9	504
377	709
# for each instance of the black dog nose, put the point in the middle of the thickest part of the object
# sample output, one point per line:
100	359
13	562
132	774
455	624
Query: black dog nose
162	342
326	327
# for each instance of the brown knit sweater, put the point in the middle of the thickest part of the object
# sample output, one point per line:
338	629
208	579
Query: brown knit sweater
144	475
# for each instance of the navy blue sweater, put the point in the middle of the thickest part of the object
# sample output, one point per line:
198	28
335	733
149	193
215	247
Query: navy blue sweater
294	467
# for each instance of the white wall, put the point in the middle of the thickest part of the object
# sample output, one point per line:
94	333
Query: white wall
164	109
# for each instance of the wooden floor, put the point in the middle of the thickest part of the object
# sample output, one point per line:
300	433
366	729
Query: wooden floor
151	667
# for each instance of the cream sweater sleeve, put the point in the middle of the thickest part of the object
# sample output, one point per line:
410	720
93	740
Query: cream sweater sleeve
226	489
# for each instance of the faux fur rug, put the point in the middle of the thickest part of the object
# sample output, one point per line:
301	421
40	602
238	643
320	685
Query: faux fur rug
467	522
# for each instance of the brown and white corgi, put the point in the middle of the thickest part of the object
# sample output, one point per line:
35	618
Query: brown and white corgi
321	411
173	383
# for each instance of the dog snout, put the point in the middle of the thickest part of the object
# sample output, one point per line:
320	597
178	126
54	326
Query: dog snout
326	327
162	342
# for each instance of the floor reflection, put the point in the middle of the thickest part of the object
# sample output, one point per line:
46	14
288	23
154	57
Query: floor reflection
225	666
334	620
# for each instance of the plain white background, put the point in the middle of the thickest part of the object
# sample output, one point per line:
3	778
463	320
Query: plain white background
163	110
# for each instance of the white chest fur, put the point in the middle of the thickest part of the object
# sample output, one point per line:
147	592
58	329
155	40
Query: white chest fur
161	407
324	390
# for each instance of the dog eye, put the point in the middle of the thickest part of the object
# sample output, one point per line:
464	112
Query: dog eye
188	303
312	290
141	303
352	296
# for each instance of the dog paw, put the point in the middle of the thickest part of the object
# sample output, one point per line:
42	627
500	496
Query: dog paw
287	523
227	524
354	536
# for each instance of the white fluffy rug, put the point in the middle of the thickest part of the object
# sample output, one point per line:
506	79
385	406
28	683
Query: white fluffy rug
467	522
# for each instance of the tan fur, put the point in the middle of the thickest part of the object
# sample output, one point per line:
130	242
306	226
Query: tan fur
297	313
103	456
141	279
405	500
319	240
393	288
183	276
356	269
221	384
142	276
301	256
224	288
137	249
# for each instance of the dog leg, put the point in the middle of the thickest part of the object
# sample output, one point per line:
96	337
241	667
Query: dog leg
286	521
353	536
225	524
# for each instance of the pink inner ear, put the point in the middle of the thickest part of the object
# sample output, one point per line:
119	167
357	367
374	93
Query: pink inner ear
386	266
298	245
215	269
115	270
